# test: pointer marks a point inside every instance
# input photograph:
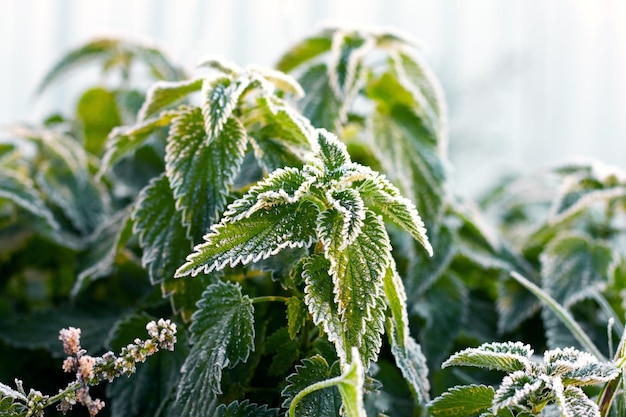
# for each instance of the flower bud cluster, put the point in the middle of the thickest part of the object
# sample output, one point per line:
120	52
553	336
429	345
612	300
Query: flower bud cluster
93	370
36	402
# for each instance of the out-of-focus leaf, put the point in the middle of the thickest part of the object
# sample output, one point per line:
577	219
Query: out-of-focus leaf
98	113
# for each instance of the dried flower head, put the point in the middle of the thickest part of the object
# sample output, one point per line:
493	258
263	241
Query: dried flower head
71	340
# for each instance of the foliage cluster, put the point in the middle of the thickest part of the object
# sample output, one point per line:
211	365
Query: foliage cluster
297	225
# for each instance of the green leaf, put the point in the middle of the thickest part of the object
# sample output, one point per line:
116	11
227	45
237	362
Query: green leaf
8	392
200	173
332	154
522	391
281	186
40	330
396	299
162	235
321	106
304	51
98	113
219	100
245	409
21	191
286	351
321	403
296	315
280	80
384	198
410	157
572	265
222	335
257	236
103	247
124	140
445	305
411	362
577	403
463	401
358	277
503	356
320	301
418	79
163	94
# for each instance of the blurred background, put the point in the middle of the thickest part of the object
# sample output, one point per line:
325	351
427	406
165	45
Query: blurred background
529	83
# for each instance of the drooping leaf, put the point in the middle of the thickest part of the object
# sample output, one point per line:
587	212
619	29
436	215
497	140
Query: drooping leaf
245	409
358	273
463	401
383	197
21	191
164	94
396	299
321	403
572	265
200	173
222	335
282	81
124	140
411	361
162	235
258	236
503	356
219	100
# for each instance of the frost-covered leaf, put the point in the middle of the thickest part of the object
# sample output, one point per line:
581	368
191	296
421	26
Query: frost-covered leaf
503	356
200	172
572	265
321	106
384	198
257	236
296	315
245	409
281	186
410	156
103	247
124	140
162	235
521	391
321	403
332	154
591	374
411	362
284	137
463	401
577	404
222	335
358	273
340	225
8	392
21	191
280	80
417	78
81	200
320	301
396	299
304	51
163	94
219	100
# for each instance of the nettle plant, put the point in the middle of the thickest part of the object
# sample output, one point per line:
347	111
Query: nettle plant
295	227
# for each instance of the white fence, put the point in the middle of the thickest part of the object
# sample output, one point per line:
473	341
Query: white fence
528	82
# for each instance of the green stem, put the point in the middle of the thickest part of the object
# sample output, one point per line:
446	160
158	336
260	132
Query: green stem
312	388
565	317
72	387
270	298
